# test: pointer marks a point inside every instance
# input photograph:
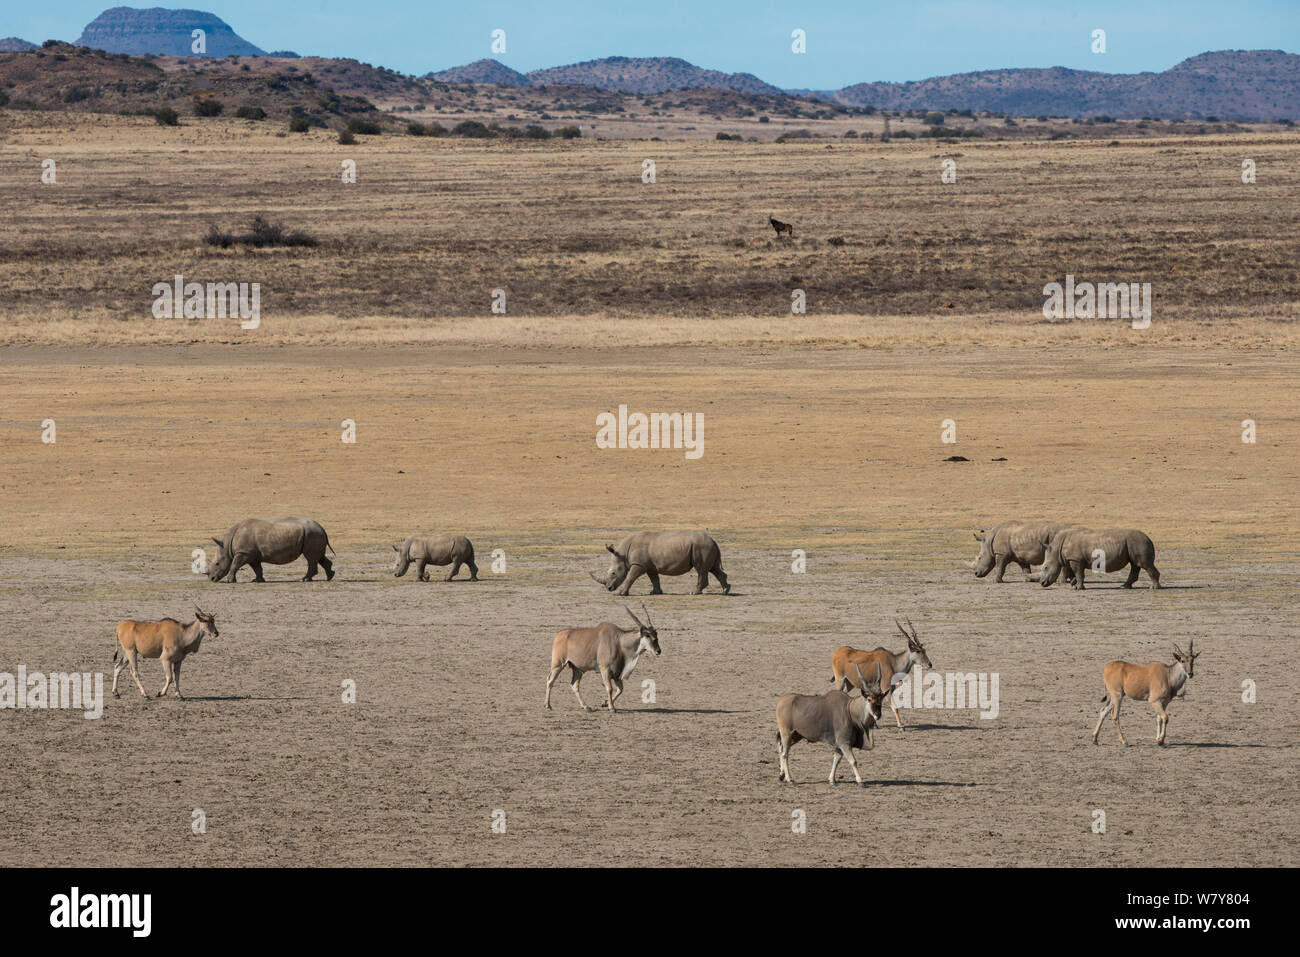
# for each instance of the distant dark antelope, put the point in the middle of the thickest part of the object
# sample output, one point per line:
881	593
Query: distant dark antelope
781	227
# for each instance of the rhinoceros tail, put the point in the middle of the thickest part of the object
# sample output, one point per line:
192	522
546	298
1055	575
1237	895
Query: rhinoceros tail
328	545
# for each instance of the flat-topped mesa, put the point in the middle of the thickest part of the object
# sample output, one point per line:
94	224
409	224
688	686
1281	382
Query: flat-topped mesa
165	33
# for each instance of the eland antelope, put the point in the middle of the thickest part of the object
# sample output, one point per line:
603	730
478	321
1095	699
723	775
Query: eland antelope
887	663
167	639
1155	681
607	647
833	718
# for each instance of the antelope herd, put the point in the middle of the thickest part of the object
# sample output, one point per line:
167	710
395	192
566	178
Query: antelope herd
836	718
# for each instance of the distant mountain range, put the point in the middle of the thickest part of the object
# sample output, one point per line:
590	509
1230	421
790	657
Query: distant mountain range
1230	84
15	45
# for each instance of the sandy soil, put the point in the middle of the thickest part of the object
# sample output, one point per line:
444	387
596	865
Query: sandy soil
831	450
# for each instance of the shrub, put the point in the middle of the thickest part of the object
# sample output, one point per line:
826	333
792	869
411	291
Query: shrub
471	128
261	232
75	94
299	124
4	98
206	107
765	119
933	119
346	137
365	127
568	133
165	116
729	136
536	132
251	113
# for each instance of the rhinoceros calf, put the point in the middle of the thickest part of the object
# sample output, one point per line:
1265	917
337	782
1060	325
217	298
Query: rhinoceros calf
663	553
254	541
1024	543
1075	550
453	550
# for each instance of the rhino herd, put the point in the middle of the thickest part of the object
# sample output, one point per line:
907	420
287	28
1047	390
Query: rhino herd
1069	550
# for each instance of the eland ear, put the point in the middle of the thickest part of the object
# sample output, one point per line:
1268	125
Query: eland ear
1178	653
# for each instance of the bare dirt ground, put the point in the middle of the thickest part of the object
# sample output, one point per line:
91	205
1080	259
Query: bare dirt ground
831	450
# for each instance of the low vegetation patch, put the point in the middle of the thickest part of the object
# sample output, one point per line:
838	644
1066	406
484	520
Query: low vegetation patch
262	233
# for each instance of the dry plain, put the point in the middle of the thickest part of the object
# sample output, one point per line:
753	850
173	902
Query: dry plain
822	433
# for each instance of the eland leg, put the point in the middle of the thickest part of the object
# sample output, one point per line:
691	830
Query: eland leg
608	680
135	673
1100	718
1114	716
575	678
167	670
550	680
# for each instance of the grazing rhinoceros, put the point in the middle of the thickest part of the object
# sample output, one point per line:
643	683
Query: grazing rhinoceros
1074	550
254	541
663	553
1023	543
453	550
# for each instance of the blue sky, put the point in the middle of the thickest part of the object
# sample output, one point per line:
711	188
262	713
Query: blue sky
849	41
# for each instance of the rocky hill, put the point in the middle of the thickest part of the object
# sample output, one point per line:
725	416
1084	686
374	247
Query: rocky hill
15	45
648	75
481	71
163	32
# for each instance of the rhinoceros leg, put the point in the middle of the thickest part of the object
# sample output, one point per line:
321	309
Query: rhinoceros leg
473	569
455	567
721	576
311	570
1154	574
633	574
420	573
654	584
1001	567
328	565
1076	568
236	563
1133	570
257	571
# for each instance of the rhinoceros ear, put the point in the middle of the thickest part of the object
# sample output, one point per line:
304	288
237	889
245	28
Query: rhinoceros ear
218	541
610	549
396	549
979	536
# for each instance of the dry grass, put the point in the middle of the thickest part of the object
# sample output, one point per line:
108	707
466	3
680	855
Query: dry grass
571	233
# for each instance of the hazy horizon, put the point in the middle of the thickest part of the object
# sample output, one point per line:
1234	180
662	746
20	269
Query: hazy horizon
845	45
